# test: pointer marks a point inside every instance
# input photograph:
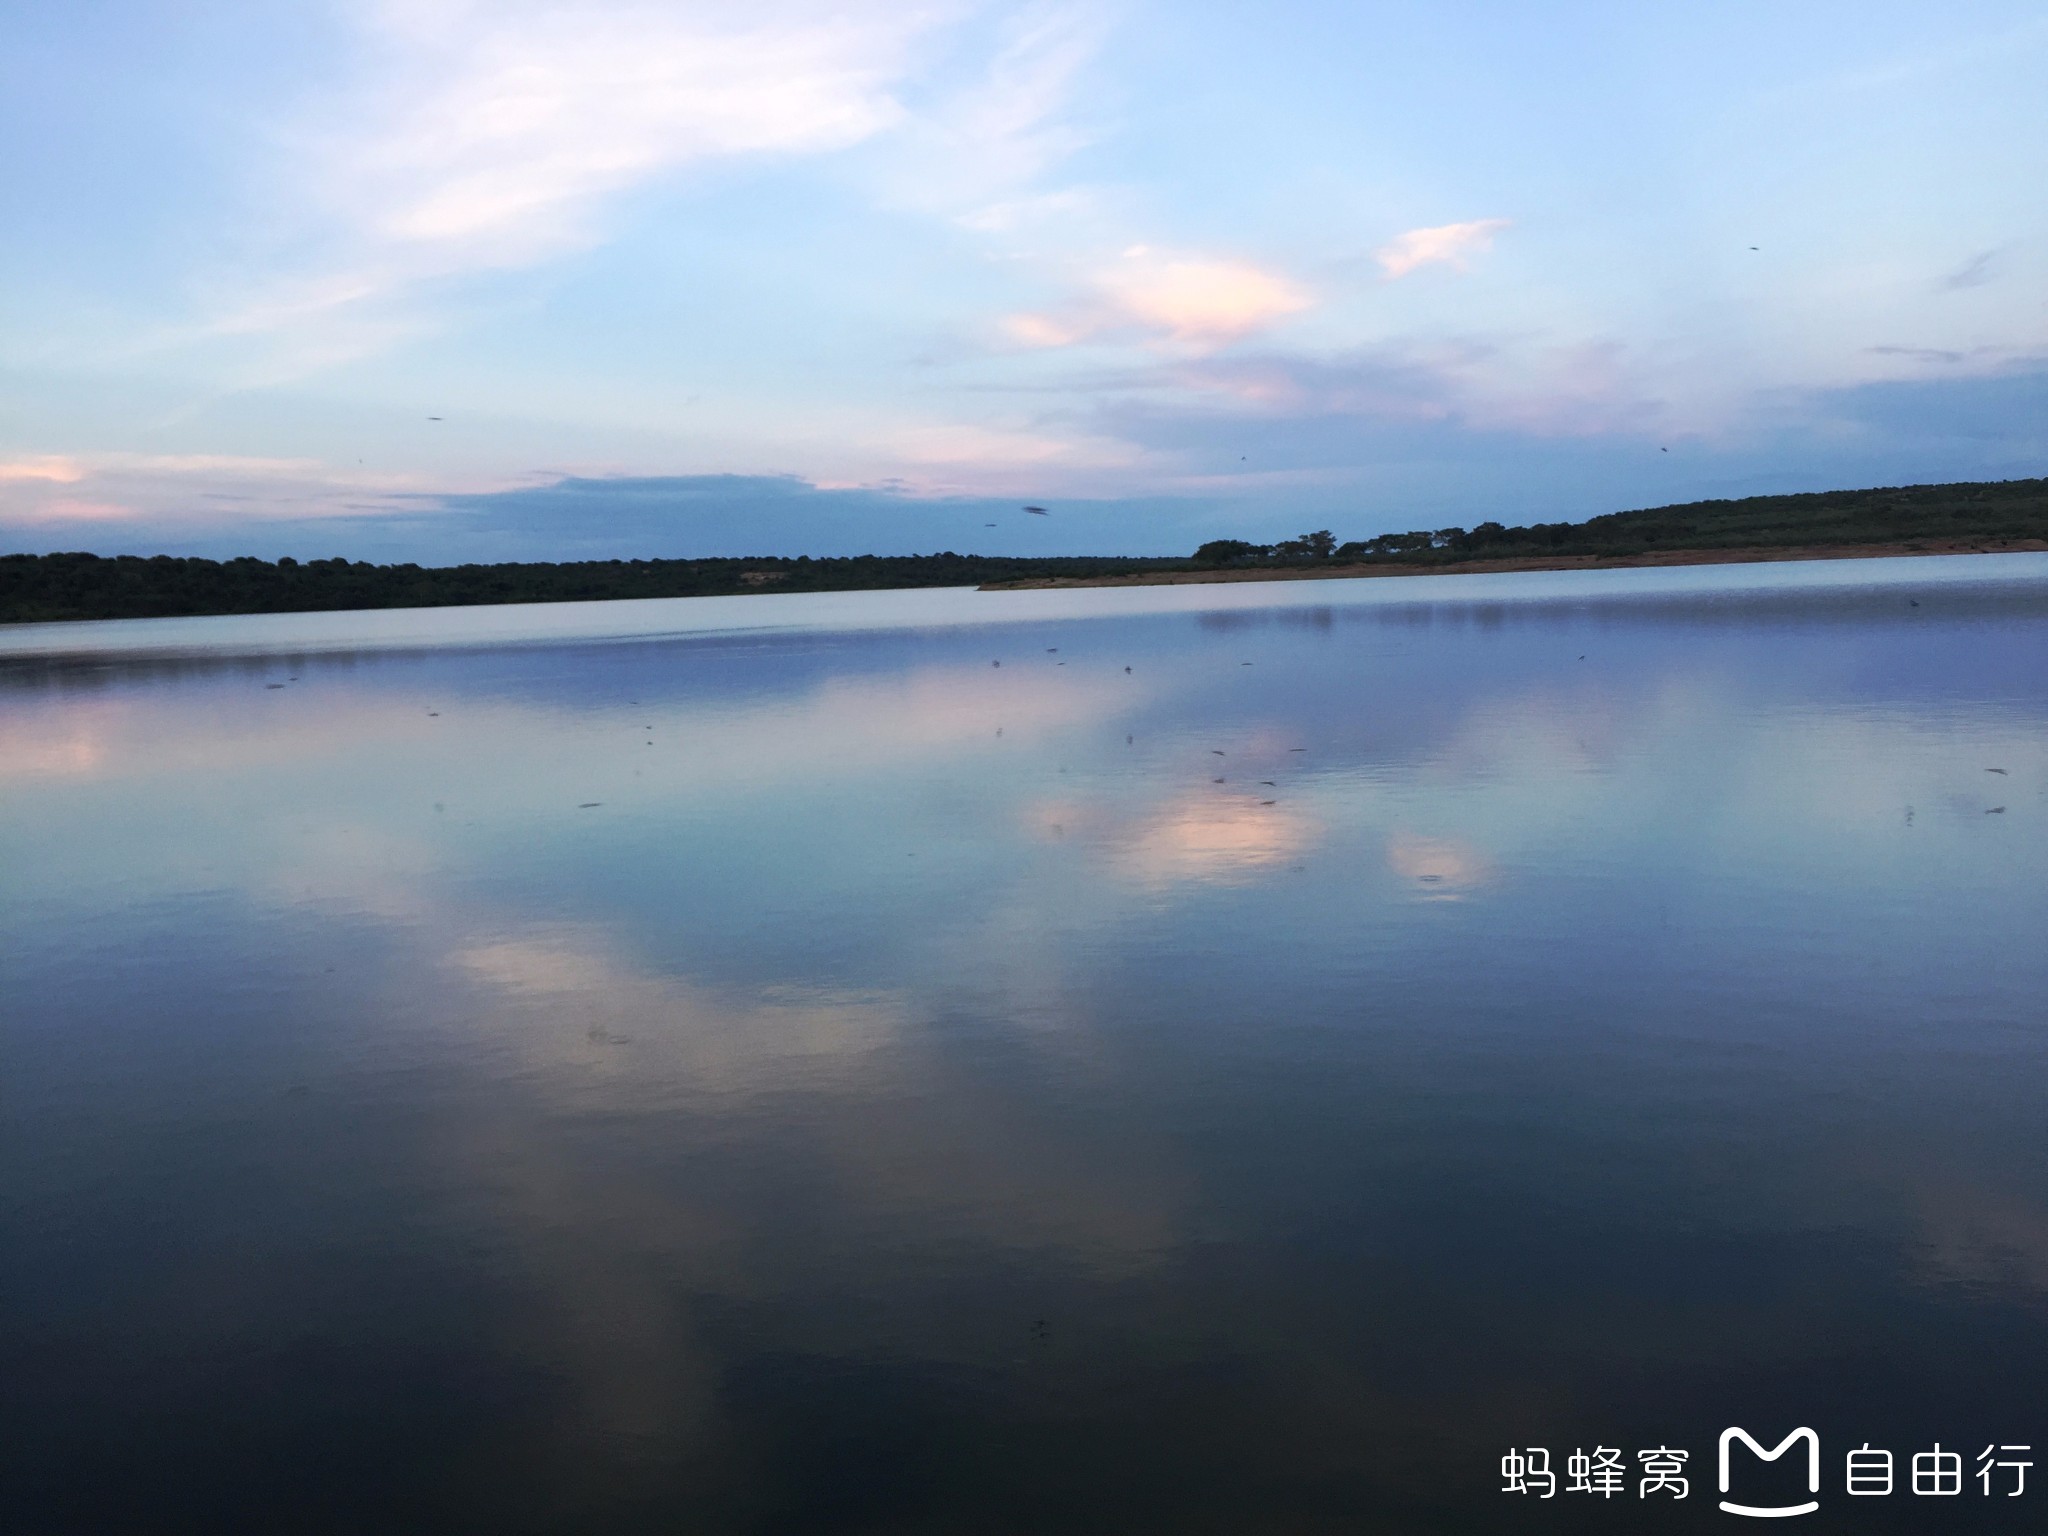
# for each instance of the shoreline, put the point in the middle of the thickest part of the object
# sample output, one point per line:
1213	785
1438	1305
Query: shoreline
1738	556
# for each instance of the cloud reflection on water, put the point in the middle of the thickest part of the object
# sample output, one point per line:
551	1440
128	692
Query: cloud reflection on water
1512	1047
1448	869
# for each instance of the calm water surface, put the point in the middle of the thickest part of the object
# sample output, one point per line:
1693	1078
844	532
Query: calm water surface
1193	1060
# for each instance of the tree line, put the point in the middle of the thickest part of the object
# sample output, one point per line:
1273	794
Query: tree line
85	586
44	588
1989	512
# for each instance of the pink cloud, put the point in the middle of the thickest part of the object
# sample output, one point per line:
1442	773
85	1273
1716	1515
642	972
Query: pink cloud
58	471
1044	330
193	489
1444	867
1200	299
1445	243
1187	301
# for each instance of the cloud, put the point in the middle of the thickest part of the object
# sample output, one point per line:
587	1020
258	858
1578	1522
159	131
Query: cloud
1974	273
1187	301
191	490
1017	213
1445	243
1001	131
1045	330
992	457
1998	417
1476	383
1200	299
1445	868
1214	839
496	136
525	117
48	468
76	509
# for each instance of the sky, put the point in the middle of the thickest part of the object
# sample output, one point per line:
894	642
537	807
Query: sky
441	280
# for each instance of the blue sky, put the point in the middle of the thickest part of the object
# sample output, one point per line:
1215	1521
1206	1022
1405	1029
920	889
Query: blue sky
788	277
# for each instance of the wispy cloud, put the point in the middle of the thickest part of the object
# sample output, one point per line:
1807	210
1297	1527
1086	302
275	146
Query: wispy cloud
1943	355
498	136
526	117
1448	244
198	489
975	152
1974	273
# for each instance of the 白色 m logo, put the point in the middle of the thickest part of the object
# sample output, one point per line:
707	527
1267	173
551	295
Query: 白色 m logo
1778	1511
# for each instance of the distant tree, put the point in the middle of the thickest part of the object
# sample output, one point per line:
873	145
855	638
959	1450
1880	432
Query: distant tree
1307	546
1229	552
1401	543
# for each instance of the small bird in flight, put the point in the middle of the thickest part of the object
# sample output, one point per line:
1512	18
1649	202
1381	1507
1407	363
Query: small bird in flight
433	418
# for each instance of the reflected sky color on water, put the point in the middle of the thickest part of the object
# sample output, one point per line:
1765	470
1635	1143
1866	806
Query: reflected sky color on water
712	1069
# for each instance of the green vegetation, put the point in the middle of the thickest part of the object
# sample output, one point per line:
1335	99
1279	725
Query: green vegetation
1987	513
41	588
80	586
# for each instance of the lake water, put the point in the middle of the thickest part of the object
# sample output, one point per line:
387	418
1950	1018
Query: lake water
1229	1059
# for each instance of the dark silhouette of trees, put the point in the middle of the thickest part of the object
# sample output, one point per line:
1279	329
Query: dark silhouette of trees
1231	552
1985	513
1308	546
86	586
